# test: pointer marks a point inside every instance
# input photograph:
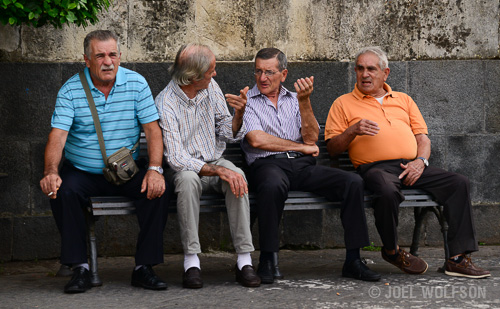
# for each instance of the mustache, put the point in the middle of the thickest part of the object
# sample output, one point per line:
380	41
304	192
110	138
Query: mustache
108	67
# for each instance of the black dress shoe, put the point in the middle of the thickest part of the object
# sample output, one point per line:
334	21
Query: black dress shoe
247	276
265	271
358	270
192	278
276	269
80	281
145	277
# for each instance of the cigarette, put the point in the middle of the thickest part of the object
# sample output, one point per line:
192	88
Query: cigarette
52	192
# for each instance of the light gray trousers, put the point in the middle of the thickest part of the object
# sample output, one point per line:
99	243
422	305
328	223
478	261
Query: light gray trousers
189	187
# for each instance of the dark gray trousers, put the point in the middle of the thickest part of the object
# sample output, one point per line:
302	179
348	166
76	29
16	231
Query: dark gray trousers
450	189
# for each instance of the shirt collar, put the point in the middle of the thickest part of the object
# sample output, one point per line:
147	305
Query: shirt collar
360	96
184	98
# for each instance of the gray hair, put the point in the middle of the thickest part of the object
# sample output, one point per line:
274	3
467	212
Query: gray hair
191	63
100	35
271	52
382	56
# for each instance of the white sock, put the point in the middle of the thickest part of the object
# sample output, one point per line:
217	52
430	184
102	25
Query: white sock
84	265
244	259
191	260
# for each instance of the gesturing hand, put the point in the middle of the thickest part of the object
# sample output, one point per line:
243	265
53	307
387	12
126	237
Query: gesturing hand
238	102
304	87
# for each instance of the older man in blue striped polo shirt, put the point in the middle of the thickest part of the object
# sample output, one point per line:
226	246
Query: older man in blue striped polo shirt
124	103
196	125
280	146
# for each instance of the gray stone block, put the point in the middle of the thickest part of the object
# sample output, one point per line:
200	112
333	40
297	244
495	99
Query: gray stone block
492	96
35	238
330	82
439	145
332	232
303	228
70	69
156	74
15	193
477	158
39	201
116	235
6	239
450	101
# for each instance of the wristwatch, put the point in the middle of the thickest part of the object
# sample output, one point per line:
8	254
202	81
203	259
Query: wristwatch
156	168
425	160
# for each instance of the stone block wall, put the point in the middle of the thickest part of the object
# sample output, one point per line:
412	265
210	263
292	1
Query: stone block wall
443	53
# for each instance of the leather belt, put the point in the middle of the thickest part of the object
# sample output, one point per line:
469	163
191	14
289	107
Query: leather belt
286	155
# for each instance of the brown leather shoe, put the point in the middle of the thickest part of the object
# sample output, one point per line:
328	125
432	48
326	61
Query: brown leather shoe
247	276
192	278
465	269
408	263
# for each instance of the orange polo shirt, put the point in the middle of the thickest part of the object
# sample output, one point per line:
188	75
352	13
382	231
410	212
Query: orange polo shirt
398	118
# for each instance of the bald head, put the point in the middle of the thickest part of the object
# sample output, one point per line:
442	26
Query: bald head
191	63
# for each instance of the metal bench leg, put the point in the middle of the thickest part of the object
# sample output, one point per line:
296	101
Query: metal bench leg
94	276
419	218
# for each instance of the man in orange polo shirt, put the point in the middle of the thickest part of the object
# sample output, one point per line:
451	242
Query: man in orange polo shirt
386	137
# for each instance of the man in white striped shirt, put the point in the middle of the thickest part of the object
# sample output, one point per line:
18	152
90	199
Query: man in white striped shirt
280	147
196	126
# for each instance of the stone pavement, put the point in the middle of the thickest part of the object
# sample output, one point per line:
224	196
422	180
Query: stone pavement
312	280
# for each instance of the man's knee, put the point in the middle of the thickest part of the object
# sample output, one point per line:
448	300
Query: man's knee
187	181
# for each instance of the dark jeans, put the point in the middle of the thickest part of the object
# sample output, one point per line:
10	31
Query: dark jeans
273	178
450	189
73	196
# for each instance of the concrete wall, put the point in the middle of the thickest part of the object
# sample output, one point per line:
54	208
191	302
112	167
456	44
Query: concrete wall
443	53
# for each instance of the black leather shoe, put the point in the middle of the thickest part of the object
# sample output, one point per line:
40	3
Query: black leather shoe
276	269
265	271
80	281
358	270
247	276
192	278
145	277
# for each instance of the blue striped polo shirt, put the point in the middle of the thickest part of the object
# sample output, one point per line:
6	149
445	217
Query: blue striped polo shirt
283	122
129	104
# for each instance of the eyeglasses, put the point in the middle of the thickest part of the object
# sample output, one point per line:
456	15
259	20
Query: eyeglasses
267	73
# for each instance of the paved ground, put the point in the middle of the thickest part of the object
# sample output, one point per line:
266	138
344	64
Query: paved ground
312	280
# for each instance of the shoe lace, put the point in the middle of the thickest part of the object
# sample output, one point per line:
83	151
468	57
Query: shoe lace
467	261
404	255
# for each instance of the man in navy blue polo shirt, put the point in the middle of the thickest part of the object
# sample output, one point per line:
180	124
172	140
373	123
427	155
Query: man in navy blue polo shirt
124	103
280	148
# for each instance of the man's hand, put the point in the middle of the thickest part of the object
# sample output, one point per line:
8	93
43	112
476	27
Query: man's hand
154	183
311	150
239	103
412	172
50	183
365	127
236	181
304	87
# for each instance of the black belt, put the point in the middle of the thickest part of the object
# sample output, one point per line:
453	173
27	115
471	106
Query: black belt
286	155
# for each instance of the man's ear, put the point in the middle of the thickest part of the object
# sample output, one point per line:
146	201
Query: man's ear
87	60
386	72
284	73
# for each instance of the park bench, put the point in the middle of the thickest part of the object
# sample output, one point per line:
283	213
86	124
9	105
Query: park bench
421	201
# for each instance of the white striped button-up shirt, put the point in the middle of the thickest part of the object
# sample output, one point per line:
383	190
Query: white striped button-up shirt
283	122
195	131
